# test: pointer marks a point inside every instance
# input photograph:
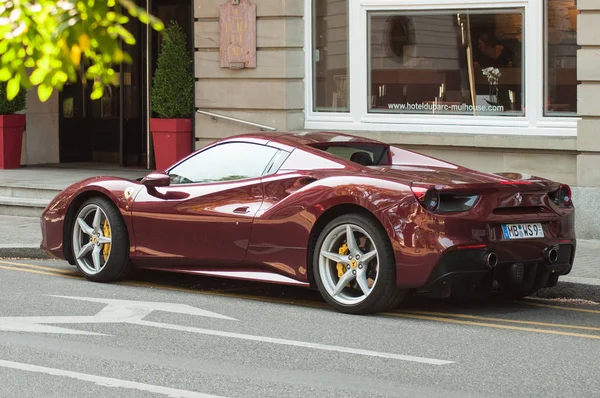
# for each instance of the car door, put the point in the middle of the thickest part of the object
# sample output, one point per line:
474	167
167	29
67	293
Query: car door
205	215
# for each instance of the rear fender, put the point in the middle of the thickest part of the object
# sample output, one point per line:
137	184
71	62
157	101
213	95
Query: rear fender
300	215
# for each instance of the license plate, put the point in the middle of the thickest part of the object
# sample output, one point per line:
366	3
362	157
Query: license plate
523	231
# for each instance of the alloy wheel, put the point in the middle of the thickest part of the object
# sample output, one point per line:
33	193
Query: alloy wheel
92	239
348	264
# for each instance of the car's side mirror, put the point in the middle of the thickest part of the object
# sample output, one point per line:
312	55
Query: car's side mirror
157	180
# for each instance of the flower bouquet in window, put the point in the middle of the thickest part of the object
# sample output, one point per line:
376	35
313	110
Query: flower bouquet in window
493	76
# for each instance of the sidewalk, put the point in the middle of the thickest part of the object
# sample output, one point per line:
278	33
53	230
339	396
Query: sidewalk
20	238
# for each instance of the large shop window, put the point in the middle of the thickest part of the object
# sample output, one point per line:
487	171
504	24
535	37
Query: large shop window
560	57
330	58
443	66
447	62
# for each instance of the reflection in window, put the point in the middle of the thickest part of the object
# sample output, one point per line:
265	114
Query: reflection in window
225	162
330	55
364	154
561	57
68	110
446	62
106	107
399	35
72	99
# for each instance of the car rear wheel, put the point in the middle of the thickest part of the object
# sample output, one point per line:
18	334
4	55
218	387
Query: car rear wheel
354	266
100	242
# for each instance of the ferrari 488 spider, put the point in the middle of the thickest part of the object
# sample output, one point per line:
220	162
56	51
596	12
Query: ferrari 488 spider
362	221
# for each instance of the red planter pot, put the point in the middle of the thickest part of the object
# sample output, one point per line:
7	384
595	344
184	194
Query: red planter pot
11	140
172	140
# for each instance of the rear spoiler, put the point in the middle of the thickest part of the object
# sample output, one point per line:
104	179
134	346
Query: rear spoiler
521	186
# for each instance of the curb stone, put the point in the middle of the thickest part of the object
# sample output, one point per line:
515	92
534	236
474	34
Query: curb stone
32	252
571	288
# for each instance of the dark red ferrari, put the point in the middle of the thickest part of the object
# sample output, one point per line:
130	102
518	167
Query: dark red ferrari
360	220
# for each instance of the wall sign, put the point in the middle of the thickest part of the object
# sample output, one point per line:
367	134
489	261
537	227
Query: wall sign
237	20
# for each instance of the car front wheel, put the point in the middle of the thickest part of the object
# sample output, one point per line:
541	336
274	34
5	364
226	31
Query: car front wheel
354	266
100	242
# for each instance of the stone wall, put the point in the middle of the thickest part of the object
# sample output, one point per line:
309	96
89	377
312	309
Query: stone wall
588	101
273	93
40	145
587	191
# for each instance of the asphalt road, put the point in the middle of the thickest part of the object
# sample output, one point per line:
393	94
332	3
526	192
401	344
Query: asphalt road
162	335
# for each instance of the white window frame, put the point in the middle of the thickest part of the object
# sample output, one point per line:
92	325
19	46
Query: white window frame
359	119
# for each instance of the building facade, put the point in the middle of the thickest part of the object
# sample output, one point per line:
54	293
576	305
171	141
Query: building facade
497	85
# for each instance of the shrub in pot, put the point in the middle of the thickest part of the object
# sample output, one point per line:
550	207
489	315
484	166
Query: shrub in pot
172	99
12	126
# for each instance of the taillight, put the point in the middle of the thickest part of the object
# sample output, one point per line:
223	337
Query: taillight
562	196
429	198
444	202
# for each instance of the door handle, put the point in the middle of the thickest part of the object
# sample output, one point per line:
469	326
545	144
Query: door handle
242	210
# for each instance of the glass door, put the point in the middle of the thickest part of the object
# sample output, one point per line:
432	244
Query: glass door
111	129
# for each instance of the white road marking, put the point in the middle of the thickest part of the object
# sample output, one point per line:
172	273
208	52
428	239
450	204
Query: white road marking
133	312
152	306
14	324
116	311
294	343
106	381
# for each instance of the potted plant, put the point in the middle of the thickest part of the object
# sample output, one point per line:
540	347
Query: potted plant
12	126
172	99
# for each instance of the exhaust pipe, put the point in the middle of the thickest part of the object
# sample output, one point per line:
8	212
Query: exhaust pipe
491	259
552	254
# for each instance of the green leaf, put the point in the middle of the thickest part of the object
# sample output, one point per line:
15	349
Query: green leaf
12	89
9	107
4	46
59	78
38	76
5	74
48	30
44	92
98	91
157	24
9	56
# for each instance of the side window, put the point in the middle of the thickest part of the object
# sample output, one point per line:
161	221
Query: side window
364	154
225	162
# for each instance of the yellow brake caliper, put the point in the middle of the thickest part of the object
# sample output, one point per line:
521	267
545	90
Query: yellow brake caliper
106	249
343	250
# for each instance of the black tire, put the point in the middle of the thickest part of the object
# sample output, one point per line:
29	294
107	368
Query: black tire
118	264
384	294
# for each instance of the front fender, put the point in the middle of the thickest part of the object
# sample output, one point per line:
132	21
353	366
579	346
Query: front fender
57	217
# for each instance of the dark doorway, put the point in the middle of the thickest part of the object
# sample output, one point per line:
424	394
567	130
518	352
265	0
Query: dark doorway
113	128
